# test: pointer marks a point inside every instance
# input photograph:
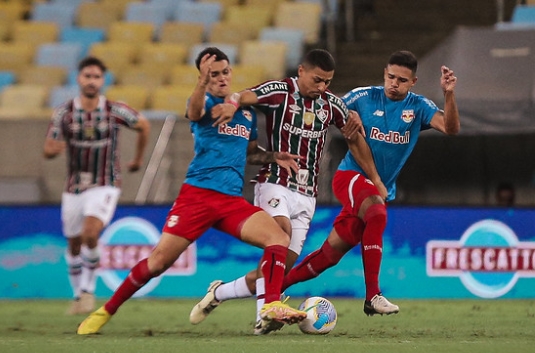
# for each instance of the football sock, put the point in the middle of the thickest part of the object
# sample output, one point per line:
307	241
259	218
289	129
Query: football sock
372	247
273	266
260	296
74	268
137	278
232	290
312	265
90	261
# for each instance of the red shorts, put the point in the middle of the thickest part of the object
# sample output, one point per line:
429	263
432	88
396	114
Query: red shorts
196	210
351	188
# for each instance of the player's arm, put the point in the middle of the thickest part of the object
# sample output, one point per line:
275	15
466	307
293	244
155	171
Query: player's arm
223	113
143	129
447	122
195	110
364	158
259	156
53	147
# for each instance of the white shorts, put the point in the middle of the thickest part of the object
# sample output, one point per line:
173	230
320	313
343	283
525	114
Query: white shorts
99	202
278	200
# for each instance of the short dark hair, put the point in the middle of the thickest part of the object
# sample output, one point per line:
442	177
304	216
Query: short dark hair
320	58
219	55
90	61
404	58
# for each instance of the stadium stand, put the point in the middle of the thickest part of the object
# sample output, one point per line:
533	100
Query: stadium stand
271	55
59	54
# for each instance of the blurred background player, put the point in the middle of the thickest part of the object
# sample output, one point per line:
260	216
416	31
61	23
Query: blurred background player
392	117
299	111
87	127
211	196
505	194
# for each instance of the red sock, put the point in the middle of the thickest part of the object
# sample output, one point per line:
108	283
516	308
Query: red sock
273	267
372	247
137	278
312	265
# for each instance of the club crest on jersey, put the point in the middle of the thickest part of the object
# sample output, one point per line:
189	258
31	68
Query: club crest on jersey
322	114
274	202
247	114
407	115
309	117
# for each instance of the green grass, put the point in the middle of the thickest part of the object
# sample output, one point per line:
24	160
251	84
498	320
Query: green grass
161	326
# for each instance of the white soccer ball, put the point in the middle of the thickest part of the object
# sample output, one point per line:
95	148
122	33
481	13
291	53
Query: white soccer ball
321	316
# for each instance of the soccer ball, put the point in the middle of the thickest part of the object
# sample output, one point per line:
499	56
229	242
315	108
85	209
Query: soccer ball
321	316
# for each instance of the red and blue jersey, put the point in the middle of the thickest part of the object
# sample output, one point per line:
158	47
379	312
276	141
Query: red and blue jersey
221	151
392	129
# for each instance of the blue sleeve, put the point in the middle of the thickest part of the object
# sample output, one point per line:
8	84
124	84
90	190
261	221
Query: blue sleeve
254	127
428	109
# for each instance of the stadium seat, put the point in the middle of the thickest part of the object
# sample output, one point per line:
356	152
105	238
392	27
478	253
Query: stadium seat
115	55
247	76
118	5
186	33
23	101
83	36
523	14
60	94
6	78
131	32
149	76
300	15
205	13
97	15
294	38
11	12
253	17
35	33
170	5
171	98
63	14
162	55
5	30
147	12
269	54
43	75
185	75
15	56
231	33
64	55
136	96
230	49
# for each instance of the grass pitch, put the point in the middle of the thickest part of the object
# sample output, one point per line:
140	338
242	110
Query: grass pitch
149	325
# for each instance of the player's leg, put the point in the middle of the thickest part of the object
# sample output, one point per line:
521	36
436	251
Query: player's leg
72	219
161	258
99	206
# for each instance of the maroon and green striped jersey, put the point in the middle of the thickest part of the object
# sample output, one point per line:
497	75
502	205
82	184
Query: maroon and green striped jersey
298	125
92	141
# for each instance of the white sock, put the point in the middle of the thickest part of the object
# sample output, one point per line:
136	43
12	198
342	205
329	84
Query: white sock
260	294
74	268
90	260
233	290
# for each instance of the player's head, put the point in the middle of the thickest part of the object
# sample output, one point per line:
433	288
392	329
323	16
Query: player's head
220	71
315	73
91	73
400	74
505	194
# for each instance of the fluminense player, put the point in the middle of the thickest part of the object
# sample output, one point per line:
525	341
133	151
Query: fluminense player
87	128
298	113
392	117
211	196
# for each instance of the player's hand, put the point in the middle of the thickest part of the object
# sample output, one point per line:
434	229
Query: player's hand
288	161
205	68
223	113
134	165
382	189
447	79
353	126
